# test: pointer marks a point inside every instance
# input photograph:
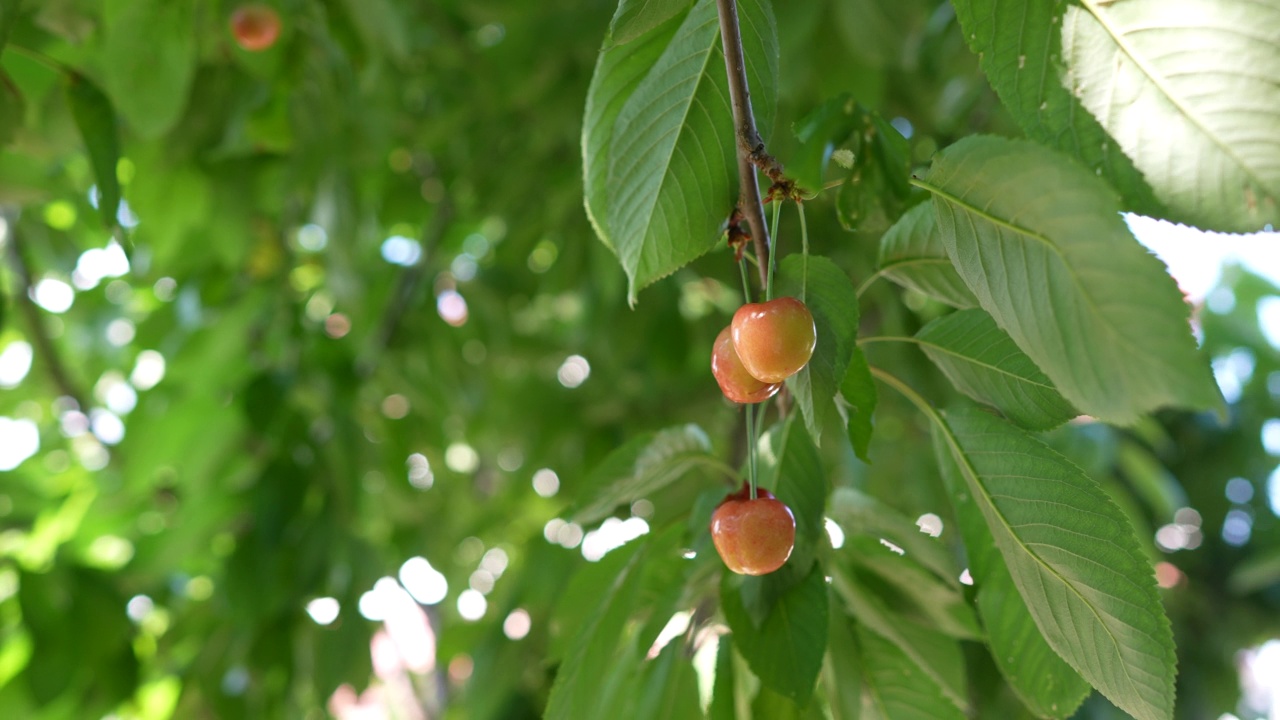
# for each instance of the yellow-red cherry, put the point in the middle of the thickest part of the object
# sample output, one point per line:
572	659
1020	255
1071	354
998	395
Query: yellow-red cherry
735	382
774	339
255	26
753	537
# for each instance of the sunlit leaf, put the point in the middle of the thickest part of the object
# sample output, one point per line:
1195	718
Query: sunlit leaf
1020	49
1062	275
1186	88
913	255
1072	556
985	364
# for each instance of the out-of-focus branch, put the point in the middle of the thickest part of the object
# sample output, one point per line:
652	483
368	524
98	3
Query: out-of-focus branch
46	352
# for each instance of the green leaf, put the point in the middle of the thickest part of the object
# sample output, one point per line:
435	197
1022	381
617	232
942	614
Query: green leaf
644	465
857	402
829	295
669	688
1062	275
1020	49
1039	677
859	513
13	108
9	10
791	468
149	61
635	18
1073	557
786	650
922	594
985	364
842	668
671	162
381	26
1204	75
618	72
608	645
934	653
895	687
96	120
724	691
913	255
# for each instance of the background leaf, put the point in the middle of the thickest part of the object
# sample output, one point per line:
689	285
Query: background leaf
913	255
985	364
830	297
1062	275
786	649
96	120
1209	149
1074	559
149	80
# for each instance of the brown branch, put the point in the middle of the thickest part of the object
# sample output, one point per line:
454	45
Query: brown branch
39	333
751	152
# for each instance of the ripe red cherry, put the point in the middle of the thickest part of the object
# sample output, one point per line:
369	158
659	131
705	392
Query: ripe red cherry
255	26
735	382
753	537
774	339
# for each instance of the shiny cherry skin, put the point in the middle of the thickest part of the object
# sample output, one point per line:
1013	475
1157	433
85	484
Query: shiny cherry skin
735	382
774	339
255	27
753	537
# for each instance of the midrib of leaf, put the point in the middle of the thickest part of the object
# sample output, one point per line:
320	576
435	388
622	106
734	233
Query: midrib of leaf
1105	321
1158	80
989	507
638	248
974	361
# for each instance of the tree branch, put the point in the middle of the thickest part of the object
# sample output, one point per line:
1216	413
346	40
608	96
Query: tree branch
39	333
750	146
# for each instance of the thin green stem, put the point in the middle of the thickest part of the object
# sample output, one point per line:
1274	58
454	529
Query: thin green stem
751	448
746	285
916	399
38	57
773	255
886	338
867	283
804	252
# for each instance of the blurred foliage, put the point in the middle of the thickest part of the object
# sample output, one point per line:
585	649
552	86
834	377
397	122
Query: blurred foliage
283	399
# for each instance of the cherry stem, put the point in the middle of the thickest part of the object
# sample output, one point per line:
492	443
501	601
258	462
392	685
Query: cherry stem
746	285
751	449
773	256
804	252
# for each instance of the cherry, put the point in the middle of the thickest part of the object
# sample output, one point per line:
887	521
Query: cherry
255	26
753	537
774	339
735	382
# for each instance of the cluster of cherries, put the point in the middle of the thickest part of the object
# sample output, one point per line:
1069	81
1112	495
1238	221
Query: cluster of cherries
766	343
